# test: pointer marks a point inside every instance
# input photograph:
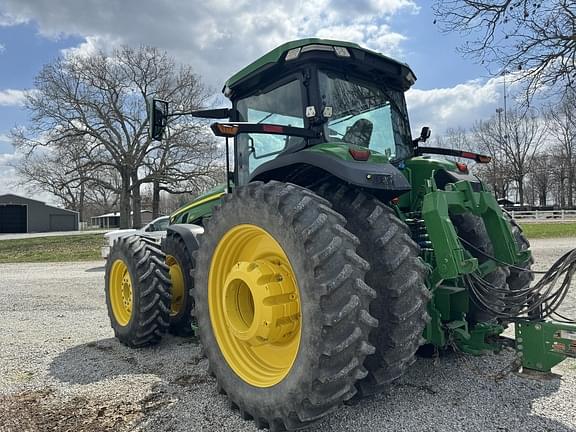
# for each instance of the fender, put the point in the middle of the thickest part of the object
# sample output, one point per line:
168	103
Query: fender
190	233
383	177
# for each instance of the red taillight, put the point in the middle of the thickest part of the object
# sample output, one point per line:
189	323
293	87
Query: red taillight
272	128
462	167
359	154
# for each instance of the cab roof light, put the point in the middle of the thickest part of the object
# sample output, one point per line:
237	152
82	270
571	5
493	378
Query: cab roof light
341	51
293	54
317	47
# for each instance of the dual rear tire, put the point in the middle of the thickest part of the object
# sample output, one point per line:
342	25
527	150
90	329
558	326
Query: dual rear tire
281	275
341	337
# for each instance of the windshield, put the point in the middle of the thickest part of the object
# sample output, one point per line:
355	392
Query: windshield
366	115
161	224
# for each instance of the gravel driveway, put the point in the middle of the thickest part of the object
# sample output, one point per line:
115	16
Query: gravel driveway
62	370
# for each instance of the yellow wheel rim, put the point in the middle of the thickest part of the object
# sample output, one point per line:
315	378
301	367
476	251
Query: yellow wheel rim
254	304
121	292
178	286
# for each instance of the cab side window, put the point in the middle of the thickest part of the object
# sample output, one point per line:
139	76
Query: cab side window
282	105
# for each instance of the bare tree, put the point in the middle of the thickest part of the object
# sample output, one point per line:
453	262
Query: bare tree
488	138
541	178
64	172
188	161
525	136
101	100
535	37
454	138
512	151
562	127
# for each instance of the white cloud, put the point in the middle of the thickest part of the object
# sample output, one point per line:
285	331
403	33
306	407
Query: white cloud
88	47
217	37
2	48
12	97
7	173
461	105
377	37
9	19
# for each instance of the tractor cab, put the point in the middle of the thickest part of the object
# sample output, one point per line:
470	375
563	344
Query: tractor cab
344	94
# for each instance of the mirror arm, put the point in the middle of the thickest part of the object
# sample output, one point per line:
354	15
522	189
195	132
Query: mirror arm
218	113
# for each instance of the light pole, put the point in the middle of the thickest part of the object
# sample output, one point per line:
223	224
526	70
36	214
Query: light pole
499	149
504	72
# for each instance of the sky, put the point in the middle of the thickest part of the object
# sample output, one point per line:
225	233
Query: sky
219	37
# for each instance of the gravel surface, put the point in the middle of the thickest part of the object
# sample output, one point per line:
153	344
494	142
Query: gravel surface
62	370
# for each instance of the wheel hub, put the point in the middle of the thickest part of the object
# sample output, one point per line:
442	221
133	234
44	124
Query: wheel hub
127	292
254	305
260	302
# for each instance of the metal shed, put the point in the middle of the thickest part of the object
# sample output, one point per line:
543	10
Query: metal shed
24	215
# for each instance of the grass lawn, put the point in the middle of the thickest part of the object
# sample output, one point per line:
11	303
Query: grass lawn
87	247
549	230
51	249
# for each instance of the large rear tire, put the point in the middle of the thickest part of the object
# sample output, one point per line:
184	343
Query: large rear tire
281	304
180	262
396	273
137	291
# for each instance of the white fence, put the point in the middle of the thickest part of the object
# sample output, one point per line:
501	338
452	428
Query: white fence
545	215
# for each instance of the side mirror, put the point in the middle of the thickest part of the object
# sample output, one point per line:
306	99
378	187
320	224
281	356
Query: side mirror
425	133
157	118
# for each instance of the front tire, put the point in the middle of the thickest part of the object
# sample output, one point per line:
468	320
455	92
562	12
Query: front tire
281	304
137	291
472	229
520	280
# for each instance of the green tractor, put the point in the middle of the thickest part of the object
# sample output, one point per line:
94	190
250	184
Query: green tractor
337	249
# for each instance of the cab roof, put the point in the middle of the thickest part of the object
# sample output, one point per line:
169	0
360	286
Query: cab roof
278	56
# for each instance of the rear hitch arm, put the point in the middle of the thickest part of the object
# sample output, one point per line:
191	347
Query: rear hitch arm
544	344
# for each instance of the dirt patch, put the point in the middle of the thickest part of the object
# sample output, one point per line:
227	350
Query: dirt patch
43	410
192	380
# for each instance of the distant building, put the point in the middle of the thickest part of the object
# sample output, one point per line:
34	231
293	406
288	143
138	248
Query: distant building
24	215
112	220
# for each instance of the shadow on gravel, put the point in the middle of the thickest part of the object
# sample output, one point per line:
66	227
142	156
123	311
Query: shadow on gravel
95	269
107	358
